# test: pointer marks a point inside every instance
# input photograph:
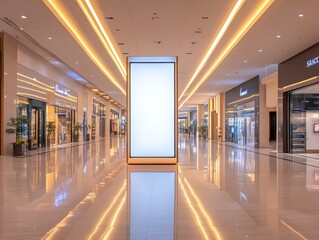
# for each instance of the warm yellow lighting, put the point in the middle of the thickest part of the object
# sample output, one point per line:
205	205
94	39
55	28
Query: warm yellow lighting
243	99
35	80
219	36
251	176
95	90
190	204
35	85
102	219
83	42
298	233
31	89
115	216
23	102
301	82
201	207
67	98
102	35
240	34
30	95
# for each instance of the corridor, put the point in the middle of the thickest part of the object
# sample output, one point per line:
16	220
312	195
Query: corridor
217	191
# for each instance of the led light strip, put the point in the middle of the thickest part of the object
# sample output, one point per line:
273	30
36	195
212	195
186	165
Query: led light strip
35	80
266	4
35	85
31	95
102	35
33	90
51	4
220	34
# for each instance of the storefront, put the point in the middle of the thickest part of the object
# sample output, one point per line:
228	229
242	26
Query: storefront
242	112
98	119
114	122
299	98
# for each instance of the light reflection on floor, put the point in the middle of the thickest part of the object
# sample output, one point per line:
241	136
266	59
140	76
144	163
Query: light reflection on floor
216	192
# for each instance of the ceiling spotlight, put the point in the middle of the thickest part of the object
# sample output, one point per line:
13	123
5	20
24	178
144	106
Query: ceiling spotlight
245	61
24	17
300	15
50	38
193	43
109	18
120	43
260	50
125	53
117	30
92	75
189	53
205	18
21	28
227	74
76	62
278	36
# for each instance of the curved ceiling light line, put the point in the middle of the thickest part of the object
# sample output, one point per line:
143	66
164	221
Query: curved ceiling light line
81	40
220	34
102	35
257	14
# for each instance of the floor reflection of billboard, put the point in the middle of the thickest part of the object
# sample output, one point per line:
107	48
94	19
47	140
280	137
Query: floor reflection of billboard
152	205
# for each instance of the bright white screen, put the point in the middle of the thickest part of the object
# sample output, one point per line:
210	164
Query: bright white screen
152	110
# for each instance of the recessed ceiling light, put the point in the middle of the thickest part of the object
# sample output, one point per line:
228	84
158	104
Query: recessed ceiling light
193	43
76	62
260	50
278	36
117	30
205	18
120	43
21	28
125	53
158	42
92	75
95	89
198	31
189	53
300	15
227	74
109	18
245	61
24	17
50	38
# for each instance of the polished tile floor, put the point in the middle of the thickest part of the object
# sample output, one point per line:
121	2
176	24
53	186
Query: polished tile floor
218	191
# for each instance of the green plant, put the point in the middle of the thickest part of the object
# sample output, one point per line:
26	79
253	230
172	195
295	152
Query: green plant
18	126
202	130
50	128
78	127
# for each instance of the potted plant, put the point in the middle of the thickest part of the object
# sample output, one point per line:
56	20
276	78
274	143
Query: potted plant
203	131
78	127
50	132
88	128
18	126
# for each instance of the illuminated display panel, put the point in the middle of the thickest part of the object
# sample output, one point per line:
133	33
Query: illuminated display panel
152	110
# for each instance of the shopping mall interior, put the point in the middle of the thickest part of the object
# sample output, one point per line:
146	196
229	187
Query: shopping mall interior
222	142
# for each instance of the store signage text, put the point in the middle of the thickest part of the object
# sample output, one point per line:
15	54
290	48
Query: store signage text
312	62
61	90
243	92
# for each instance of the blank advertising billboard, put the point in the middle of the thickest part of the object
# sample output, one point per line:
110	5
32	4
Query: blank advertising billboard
152	110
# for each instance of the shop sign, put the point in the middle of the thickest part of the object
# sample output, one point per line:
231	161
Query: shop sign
242	91
61	90
240	107
312	62
63	103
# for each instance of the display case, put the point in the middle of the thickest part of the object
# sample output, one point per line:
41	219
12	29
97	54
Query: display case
298	131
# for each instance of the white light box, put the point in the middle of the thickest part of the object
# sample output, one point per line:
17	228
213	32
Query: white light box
152	110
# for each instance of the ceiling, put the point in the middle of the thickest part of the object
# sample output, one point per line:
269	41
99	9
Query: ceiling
261	34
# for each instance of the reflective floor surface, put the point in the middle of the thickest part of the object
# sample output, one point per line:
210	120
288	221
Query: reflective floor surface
217	191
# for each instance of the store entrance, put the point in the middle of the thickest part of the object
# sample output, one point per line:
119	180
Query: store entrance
37	124
304	120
